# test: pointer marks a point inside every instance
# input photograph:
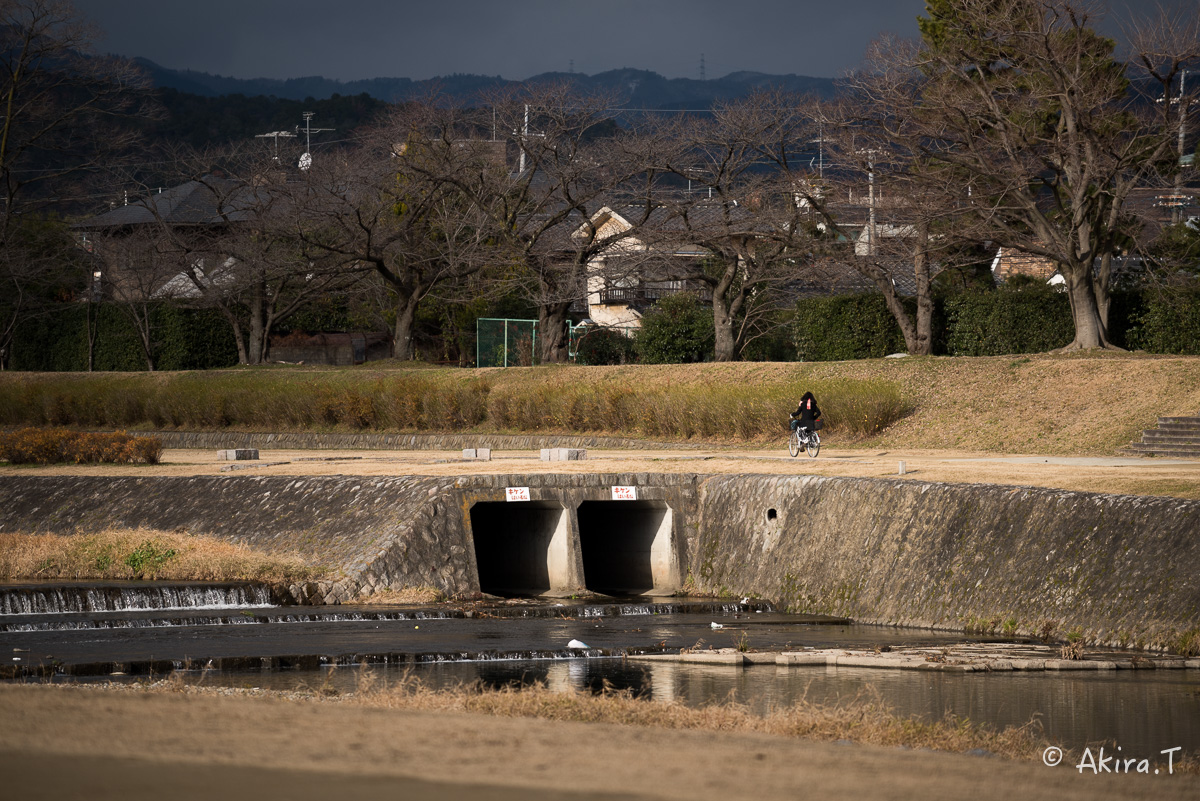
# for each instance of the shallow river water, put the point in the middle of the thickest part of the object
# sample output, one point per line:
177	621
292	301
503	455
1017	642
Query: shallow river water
235	637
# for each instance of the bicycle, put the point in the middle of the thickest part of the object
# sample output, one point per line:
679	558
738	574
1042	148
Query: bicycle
803	439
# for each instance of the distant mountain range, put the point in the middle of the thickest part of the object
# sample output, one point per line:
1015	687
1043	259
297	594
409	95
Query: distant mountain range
634	88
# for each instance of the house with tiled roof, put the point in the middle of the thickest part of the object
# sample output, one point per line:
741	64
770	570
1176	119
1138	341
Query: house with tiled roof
195	207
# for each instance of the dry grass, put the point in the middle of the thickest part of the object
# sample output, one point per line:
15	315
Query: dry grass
1076	404
863	720
143	554
404	595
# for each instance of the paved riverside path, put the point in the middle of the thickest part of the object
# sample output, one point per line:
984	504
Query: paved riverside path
1119	475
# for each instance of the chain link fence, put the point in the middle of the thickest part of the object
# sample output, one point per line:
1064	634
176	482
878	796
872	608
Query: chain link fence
505	342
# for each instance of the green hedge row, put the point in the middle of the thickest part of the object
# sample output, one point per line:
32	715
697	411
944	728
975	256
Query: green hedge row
1000	322
1004	321
184	339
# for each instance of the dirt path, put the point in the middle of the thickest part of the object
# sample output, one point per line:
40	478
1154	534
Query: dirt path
1133	476
63	742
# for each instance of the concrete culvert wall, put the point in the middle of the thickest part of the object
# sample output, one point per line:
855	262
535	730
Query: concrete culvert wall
522	548
627	547
1123	569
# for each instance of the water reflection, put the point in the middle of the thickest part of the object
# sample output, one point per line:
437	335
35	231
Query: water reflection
1143	711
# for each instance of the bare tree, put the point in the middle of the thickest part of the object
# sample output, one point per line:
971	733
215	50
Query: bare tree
888	214
740	166
231	235
572	163
412	204
60	114
137	265
1025	106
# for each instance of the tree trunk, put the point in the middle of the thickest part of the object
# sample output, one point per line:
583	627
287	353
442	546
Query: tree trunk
402	332
258	345
1089	326
918	334
144	333
238	334
93	327
554	339
724	342
1103	298
724	338
147	349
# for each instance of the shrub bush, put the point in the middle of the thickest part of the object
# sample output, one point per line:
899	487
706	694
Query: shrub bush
184	339
845	327
1166	322
1027	319
597	345
57	445
676	330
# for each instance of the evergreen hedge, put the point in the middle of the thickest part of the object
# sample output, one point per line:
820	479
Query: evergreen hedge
676	330
844	327
1026	320
1029	319
184	339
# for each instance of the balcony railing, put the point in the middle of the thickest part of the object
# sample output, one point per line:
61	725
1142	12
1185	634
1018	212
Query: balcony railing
645	295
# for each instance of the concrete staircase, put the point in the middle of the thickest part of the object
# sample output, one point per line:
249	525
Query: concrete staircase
1178	437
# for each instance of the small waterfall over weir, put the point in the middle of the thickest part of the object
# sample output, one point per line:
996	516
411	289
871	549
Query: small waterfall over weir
74	599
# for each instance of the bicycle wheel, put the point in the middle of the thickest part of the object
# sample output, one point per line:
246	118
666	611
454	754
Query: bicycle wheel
794	443
814	444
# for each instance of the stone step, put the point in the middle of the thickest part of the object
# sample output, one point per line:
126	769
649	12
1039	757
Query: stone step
1173	451
1183	422
1193	430
1157	437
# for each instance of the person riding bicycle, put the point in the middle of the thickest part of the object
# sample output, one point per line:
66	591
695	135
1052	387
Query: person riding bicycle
807	414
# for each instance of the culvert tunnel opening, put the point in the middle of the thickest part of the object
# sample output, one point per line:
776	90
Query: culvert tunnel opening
626	547
521	548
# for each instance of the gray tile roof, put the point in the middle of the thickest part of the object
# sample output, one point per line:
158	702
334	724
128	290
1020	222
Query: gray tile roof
207	201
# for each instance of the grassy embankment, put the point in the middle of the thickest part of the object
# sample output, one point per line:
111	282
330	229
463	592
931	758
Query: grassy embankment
1083	404
144	554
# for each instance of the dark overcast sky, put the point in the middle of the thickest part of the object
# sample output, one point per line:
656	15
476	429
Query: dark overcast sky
352	39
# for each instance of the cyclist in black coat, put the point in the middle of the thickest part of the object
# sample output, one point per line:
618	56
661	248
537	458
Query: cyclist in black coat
807	413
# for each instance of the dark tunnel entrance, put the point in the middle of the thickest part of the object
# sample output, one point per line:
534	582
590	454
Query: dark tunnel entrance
521	548
626	547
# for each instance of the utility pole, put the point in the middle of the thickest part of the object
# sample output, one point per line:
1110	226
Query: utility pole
871	201
871	230
306	158
1177	214
1177	201
524	136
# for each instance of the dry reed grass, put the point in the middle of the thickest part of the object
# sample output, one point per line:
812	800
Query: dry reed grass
143	554
863	720
545	400
1046	404
404	595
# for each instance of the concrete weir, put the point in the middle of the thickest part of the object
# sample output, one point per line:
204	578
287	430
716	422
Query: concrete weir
1123	569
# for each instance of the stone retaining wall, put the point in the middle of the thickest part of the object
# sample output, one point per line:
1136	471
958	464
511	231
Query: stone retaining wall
304	440
371	532
1123	569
